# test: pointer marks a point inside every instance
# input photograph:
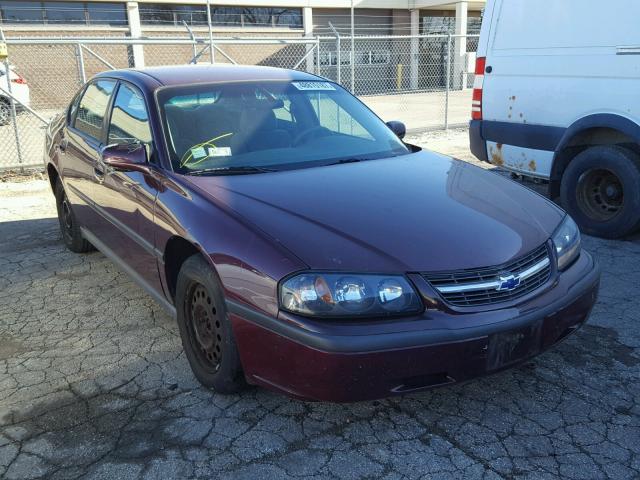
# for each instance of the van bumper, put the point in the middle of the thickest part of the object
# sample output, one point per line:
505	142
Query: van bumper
477	143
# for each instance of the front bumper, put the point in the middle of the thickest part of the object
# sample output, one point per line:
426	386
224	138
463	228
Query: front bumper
363	361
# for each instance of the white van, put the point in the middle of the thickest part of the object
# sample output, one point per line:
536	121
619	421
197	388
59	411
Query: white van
557	96
19	90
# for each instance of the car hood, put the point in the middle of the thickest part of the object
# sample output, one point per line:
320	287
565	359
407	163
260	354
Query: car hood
417	212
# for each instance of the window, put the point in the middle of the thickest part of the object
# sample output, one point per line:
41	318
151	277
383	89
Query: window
257	16
21	12
158	14
107	14
367	57
93	106
445	25
174	14
129	119
63	13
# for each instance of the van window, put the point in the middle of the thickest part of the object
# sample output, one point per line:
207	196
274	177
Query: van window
93	106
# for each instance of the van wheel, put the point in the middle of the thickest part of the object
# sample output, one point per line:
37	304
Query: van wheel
5	111
600	191
205	328
69	227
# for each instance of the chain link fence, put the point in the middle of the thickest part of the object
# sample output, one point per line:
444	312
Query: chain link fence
420	80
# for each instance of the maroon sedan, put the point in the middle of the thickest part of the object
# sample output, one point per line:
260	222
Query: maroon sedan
301	244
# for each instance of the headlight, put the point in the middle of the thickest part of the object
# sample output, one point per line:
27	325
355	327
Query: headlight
348	295
566	239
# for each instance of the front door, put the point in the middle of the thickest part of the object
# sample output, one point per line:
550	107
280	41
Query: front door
125	200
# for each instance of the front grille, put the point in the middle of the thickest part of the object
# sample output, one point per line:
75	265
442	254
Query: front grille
479	287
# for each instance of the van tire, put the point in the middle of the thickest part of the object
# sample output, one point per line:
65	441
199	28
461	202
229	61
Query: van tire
600	190
205	328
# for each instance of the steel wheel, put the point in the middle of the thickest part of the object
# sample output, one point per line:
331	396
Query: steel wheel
600	194
205	328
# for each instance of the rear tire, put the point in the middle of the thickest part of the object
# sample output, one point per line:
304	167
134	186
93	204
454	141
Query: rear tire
69	228
601	190
205	328
5	112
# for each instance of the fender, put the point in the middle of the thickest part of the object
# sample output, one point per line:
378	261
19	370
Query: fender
599	120
602	120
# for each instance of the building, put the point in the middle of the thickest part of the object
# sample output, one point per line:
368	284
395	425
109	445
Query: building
381	65
233	17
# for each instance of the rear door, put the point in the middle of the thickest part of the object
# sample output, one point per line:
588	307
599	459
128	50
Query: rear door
80	147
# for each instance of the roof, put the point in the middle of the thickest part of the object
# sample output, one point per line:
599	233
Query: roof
189	74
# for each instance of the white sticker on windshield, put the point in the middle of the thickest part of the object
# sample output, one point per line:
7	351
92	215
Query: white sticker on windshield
313	86
219	151
198	152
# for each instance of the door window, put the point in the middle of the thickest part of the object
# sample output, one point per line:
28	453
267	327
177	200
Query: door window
93	106
129	118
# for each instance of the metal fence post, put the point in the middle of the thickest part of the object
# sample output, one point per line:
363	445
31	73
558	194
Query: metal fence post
338	54
80	57
213	55
353	50
193	37
14	116
317	55
446	97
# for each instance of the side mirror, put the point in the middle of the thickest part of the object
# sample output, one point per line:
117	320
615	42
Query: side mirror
398	128
126	158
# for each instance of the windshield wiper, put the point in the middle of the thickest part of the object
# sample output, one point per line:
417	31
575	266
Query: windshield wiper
241	170
348	160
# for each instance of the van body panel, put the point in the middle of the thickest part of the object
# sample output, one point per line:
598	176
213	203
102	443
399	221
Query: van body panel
528	161
550	66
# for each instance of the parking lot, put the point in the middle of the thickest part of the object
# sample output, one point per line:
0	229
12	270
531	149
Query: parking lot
93	383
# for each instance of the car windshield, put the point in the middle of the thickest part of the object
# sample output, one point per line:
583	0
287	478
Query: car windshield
247	127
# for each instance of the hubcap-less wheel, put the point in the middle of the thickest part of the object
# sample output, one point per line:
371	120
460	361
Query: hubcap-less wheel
205	327
600	194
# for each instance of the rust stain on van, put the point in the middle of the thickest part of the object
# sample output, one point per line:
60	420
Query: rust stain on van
532	166
496	155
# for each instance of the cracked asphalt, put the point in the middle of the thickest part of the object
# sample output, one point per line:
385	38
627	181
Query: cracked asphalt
94	384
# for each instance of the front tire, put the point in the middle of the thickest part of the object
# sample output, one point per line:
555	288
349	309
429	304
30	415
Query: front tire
69	228
205	328
601	190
